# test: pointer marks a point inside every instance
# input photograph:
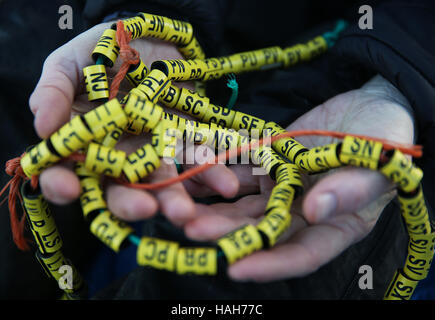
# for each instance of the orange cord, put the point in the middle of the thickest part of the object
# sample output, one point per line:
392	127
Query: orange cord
414	150
14	169
128	55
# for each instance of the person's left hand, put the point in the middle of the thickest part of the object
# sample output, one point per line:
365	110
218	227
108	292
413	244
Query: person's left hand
60	95
338	208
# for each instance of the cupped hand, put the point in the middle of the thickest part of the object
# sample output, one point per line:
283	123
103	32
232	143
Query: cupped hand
60	94
338	208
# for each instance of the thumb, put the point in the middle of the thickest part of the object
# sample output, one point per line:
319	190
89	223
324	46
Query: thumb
345	191
61	81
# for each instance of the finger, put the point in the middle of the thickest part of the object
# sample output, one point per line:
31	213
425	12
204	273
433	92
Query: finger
54	94
252	180
249	206
215	220
247	182
248	179
61	80
198	190
345	191
173	200
218	178
307	250
59	184
130	204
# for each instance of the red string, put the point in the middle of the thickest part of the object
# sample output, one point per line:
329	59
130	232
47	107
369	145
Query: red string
414	150
128	55
14	169
76	157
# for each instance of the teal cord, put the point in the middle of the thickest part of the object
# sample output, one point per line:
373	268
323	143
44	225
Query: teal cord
100	60
134	239
332	36
234	86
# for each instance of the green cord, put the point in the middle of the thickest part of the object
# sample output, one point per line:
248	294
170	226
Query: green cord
178	165
234	86
332	36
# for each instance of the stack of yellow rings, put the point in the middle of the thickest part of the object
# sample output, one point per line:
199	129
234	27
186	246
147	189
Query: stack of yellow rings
97	132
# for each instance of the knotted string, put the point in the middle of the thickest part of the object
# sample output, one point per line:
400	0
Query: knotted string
14	169
128	55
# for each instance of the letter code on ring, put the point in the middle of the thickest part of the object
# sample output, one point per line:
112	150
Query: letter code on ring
319	159
42	224
107	47
275	223
197	261
360	153
105	160
160	254
96	83
192	103
401	287
413	208
37	159
141	163
154	84
223	117
143	115
240	243
91	197
289	148
110	230
402	171
281	196
288	173
106	118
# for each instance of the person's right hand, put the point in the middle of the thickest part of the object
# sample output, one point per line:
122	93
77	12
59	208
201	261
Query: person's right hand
61	93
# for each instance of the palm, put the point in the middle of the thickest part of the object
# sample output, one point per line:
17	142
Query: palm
313	240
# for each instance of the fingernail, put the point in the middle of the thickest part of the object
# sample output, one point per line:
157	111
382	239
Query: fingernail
326	205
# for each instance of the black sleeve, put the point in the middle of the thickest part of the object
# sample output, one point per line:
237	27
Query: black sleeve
205	16
401	47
